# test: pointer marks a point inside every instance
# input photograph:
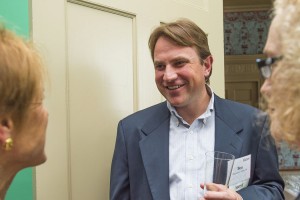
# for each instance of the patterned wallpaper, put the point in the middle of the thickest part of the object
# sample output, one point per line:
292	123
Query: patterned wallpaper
245	33
288	158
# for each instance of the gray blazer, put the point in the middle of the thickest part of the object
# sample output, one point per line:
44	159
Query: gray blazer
140	165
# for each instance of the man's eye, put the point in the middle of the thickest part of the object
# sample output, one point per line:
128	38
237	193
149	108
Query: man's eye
159	66
179	63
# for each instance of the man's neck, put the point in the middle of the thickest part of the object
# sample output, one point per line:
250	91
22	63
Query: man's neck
191	112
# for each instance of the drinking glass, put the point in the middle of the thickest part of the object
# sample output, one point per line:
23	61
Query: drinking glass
218	167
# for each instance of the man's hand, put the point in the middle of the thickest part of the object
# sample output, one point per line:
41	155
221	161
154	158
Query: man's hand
219	192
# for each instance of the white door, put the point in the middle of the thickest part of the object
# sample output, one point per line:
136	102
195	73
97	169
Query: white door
100	70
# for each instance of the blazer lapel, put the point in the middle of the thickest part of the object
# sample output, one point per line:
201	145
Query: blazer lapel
227	128
154	147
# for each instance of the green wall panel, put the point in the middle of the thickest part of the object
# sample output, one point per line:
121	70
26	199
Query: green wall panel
14	14
22	186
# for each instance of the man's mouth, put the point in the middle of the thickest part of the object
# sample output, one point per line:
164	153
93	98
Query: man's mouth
174	87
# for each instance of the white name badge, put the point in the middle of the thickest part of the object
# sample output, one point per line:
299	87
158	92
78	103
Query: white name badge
240	174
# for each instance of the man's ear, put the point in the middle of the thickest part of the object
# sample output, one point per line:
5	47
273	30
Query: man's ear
6	126
208	65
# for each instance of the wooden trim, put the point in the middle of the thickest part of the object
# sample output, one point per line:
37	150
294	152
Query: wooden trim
236	66
246	5
247	8
242	59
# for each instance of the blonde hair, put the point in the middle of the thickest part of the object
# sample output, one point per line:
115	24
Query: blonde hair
21	76
285	98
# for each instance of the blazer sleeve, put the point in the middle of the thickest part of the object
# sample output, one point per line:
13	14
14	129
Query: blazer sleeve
267	183
119	177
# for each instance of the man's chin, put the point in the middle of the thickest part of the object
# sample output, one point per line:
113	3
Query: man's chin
176	104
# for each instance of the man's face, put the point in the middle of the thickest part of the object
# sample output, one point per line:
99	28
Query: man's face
179	74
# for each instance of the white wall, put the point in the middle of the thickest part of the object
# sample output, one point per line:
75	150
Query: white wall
100	71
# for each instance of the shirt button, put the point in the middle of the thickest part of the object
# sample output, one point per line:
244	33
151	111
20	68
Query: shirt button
191	157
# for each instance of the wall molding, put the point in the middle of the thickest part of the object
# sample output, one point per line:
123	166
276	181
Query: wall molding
103	8
245	5
132	16
242	59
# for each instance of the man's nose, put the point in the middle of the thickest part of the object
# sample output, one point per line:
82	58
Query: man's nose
170	73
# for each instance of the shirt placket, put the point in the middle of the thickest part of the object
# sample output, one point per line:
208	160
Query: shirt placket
191	165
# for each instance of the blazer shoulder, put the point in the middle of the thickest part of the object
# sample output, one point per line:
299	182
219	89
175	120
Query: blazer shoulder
236	107
232	111
155	111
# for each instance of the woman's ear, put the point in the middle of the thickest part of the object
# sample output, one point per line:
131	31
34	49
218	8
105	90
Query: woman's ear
6	126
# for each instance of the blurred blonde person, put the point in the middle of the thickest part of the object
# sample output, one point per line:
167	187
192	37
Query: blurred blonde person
282	86
282	72
23	118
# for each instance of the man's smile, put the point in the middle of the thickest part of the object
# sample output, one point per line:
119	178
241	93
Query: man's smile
174	87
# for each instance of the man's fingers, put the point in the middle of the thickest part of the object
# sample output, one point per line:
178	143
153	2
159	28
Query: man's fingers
215	187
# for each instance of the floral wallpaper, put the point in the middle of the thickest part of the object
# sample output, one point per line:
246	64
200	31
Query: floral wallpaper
245	33
288	158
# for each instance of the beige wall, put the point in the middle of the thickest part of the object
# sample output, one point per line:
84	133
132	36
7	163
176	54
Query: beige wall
100	71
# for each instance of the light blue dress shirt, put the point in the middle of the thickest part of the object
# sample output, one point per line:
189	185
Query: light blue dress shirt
187	147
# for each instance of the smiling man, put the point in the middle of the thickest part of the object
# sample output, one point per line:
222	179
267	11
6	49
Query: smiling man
180	77
160	151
